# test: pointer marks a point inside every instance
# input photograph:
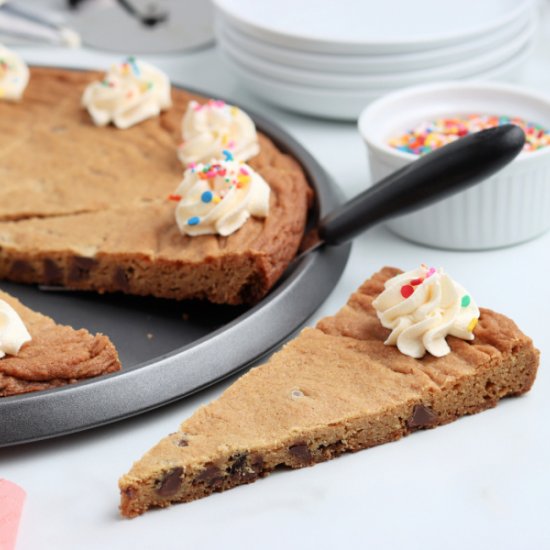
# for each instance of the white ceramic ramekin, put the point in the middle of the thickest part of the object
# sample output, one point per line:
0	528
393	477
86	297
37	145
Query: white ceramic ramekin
511	207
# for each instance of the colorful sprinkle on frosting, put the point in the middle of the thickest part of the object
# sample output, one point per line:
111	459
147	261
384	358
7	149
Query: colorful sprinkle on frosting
216	130
207	196
129	93
429	136
133	64
14	75
422	307
218	198
407	290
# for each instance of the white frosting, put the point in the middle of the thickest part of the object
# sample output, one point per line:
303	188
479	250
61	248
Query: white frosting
13	333
422	307
14	75
214	127
131	92
219	197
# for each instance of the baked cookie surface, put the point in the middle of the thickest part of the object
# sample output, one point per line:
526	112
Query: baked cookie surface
334	388
86	207
56	356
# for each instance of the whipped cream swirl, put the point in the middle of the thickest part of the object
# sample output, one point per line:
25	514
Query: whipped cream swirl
131	92
14	75
218	198
213	127
13	333
422	307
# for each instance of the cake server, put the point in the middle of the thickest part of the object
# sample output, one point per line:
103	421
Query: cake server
433	177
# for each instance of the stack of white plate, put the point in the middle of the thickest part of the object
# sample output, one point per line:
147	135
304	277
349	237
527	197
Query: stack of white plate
330	58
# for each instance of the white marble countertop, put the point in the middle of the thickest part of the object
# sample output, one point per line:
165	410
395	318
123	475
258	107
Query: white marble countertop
481	482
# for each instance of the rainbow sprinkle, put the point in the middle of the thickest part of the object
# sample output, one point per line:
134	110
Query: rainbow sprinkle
408	289
217	103
209	173
132	62
428	136
212	103
207	196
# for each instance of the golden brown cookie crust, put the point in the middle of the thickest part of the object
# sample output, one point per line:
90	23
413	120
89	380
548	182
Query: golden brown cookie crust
86	207
57	355
334	388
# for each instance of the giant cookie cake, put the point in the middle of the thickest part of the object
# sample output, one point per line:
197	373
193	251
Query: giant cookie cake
87	207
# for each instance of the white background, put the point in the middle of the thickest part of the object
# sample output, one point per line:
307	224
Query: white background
481	482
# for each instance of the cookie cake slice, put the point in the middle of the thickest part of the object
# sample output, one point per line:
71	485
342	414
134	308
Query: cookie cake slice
47	355
339	387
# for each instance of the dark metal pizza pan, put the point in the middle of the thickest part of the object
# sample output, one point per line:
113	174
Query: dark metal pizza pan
171	349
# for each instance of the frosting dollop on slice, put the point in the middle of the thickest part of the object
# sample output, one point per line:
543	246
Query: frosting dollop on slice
14	75
423	307
210	128
131	92
218	198
13	333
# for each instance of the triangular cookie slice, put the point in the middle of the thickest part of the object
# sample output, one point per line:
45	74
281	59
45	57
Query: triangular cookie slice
334	388
56	355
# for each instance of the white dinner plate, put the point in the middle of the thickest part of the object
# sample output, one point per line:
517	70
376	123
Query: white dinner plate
302	77
384	63
349	26
344	104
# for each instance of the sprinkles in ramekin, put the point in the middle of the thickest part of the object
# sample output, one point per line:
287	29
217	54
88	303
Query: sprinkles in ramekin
427	136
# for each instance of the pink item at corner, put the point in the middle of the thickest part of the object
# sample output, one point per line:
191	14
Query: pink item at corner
12	498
